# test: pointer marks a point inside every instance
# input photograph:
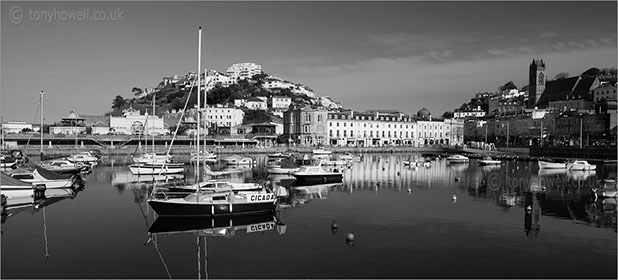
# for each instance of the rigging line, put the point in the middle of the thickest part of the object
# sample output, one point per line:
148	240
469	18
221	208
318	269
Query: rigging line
45	233
50	108
154	241
174	137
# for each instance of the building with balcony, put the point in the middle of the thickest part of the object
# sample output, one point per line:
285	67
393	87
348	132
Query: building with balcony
241	71
371	128
279	102
220	116
134	123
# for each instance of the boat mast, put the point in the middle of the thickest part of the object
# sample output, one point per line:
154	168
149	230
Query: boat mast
199	66
41	129
153	115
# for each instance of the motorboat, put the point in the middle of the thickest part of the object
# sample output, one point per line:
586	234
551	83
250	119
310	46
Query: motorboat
38	175
321	151
316	174
156	168
206	203
349	157
238	160
458	159
282	166
580	165
9	183
64	166
84	157
203	156
488	161
551	164
276	156
417	163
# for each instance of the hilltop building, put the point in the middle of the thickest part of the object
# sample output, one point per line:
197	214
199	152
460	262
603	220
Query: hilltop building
241	71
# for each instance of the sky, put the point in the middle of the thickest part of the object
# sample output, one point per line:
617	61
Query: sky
367	55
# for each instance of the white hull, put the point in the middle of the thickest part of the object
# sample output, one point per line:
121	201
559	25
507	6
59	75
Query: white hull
156	169
279	170
458	159
551	165
581	167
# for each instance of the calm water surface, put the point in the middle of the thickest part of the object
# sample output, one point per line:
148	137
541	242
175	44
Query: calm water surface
405	223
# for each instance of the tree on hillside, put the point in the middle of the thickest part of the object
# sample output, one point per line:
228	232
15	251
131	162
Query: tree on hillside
118	102
256	116
137	91
448	115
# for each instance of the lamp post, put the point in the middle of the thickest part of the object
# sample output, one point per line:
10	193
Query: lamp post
507	134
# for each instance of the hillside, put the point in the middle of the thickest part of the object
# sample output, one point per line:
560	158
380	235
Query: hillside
173	96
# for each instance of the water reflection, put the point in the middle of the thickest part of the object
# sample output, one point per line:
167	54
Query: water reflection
202	228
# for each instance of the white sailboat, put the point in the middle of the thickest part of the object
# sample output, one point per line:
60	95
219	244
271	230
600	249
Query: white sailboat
152	163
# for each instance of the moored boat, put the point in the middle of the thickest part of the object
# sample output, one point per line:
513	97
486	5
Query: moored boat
349	157
50	179
282	166
63	166
488	161
551	164
238	160
457	159
316	174
215	203
580	165
160	168
321	151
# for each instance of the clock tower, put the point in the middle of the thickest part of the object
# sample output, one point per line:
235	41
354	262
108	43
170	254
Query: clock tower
536	82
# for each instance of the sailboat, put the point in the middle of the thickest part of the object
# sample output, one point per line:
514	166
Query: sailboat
208	203
149	164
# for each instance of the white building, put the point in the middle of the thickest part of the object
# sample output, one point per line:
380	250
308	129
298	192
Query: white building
372	128
223	116
134	123
240	102
474	113
255	103
243	70
279	102
17	127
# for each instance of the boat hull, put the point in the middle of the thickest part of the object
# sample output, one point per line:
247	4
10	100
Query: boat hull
279	170
138	169
307	179
551	165
169	208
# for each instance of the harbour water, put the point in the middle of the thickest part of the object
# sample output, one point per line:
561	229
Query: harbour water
443	221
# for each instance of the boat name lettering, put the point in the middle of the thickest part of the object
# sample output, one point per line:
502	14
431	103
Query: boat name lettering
261	197
261	227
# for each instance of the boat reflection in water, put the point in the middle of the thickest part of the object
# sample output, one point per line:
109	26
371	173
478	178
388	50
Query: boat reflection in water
17	201
126	179
303	194
203	227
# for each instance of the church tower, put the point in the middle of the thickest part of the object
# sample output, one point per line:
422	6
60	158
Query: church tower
536	82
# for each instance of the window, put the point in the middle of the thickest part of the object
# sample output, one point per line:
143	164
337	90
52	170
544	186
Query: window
345	134
337	124
330	133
